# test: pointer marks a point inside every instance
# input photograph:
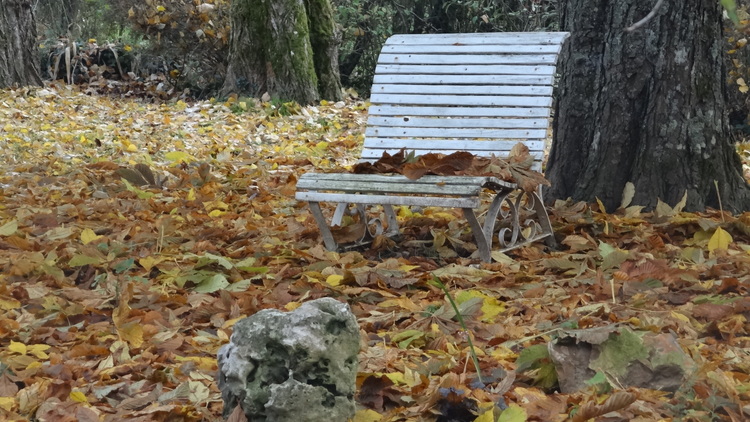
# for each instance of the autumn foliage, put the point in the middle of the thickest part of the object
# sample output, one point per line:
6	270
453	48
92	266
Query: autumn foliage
133	236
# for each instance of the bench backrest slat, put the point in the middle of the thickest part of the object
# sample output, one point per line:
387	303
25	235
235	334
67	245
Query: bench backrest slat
462	92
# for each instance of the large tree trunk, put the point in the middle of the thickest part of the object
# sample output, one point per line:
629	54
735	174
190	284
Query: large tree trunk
272	50
19	59
646	107
325	40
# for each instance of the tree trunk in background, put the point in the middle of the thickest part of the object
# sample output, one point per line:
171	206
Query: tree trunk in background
325	41
272	50
19	58
646	107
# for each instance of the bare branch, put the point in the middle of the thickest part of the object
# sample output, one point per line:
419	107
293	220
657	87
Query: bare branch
645	20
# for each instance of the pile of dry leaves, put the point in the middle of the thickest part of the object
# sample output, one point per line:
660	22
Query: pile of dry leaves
515	168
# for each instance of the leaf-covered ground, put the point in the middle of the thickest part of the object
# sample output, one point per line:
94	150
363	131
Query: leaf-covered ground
133	236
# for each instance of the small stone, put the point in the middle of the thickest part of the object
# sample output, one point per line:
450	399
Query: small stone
296	366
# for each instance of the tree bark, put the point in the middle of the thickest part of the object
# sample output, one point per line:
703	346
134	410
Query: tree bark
276	48
19	58
325	40
646	107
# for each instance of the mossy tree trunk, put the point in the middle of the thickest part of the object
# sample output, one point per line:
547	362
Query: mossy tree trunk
19	59
325	40
646	107
287	48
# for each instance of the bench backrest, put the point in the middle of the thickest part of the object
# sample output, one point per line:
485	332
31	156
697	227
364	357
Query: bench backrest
480	93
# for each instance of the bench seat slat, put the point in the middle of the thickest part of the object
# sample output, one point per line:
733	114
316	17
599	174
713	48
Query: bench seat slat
389	187
457	122
468	59
397	178
406	110
427	88
354	198
476	69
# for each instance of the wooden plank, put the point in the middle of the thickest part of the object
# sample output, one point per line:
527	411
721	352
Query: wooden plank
461	100
388	188
390	110
455	144
471	49
423	78
525	90
440	122
353	198
372	154
476	69
498	38
410	132
467	59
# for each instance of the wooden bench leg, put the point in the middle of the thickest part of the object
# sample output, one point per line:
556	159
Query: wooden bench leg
325	230
341	209
390	216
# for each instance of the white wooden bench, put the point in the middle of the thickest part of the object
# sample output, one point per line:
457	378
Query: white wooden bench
480	93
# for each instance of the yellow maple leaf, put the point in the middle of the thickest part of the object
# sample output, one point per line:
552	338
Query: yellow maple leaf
719	240
334	279
292	306
17	347
132	332
78	397
88	236
396	377
149	262
208	364
8	304
38	350
128	146
7	403
488	414
367	415
179	157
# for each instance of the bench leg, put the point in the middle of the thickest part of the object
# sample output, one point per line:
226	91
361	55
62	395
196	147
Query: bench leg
484	242
341	209
503	207
325	230
543	217
390	216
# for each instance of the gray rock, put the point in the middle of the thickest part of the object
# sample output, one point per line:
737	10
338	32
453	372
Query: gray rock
295	366
639	359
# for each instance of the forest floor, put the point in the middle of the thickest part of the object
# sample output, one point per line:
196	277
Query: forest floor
133	236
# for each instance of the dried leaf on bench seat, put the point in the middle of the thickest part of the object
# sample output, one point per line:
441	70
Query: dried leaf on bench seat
516	168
